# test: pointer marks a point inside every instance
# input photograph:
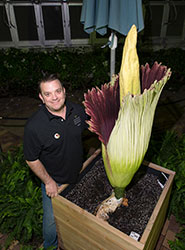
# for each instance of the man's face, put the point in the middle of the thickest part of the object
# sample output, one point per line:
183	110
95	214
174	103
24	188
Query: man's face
53	95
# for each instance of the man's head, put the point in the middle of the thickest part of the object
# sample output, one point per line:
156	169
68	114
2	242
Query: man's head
52	93
48	78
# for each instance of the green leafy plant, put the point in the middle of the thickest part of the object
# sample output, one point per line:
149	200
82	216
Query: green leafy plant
171	155
179	242
20	199
79	68
169	152
22	68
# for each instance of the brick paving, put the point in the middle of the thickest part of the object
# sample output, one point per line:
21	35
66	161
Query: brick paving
170	229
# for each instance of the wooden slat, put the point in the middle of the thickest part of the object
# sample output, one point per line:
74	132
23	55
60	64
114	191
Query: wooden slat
75	239
154	226
82	230
87	224
159	168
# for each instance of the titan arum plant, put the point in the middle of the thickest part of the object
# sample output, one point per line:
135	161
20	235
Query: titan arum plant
122	114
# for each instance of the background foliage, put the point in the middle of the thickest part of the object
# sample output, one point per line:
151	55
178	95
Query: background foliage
82	68
169	151
20	199
21	69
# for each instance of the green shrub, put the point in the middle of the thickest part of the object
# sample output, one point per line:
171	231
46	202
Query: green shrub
22	68
179	242
169	152
171	155
78	68
20	198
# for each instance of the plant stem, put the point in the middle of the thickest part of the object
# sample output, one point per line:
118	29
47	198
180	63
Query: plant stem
119	192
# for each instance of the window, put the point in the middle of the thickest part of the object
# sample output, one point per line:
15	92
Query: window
4	26
26	23
48	23
53	29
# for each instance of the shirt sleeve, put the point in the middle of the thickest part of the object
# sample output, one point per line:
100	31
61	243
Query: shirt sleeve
31	144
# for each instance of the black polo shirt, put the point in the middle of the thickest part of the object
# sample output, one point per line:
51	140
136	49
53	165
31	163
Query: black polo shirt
56	142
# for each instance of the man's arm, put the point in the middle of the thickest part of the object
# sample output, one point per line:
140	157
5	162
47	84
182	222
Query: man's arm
38	168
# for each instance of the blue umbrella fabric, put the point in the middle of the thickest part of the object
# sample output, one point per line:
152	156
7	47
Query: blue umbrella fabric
118	15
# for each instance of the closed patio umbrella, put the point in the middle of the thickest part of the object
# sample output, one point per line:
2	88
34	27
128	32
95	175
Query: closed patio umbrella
118	15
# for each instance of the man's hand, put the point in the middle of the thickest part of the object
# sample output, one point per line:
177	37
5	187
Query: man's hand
51	188
50	185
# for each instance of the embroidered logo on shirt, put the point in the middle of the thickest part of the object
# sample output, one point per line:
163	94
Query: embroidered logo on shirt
57	136
77	120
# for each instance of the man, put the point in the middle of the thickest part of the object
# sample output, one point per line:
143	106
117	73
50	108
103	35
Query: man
53	146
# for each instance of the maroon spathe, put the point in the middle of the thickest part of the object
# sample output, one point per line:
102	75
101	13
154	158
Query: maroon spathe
103	105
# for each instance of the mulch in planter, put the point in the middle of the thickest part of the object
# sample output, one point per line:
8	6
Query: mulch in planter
143	193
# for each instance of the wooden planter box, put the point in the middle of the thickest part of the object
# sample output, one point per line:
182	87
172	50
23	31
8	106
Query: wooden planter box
80	229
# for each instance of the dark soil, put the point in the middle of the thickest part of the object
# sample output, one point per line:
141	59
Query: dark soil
142	193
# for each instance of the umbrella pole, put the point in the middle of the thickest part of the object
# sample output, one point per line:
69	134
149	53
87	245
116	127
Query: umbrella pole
112	62
113	45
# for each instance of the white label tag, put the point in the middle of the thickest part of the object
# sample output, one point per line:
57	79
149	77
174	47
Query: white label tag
163	178
134	235
160	184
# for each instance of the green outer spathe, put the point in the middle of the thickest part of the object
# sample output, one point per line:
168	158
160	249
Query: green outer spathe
130	136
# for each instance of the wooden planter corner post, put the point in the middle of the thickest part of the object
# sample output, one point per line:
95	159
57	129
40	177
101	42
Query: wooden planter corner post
79	229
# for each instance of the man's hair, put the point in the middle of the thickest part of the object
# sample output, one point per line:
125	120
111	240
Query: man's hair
48	78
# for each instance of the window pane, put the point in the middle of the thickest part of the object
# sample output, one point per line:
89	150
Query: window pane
153	21
76	26
4	26
26	24
53	25
75	1
24	1
176	21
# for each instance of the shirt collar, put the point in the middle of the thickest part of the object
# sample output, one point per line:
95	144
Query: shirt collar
50	116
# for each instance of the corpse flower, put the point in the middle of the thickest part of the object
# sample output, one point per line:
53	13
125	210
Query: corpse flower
122	114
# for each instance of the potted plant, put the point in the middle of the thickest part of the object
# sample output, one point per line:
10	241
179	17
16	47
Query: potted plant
122	113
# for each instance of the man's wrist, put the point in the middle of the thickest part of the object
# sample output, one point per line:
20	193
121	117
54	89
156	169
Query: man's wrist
48	181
